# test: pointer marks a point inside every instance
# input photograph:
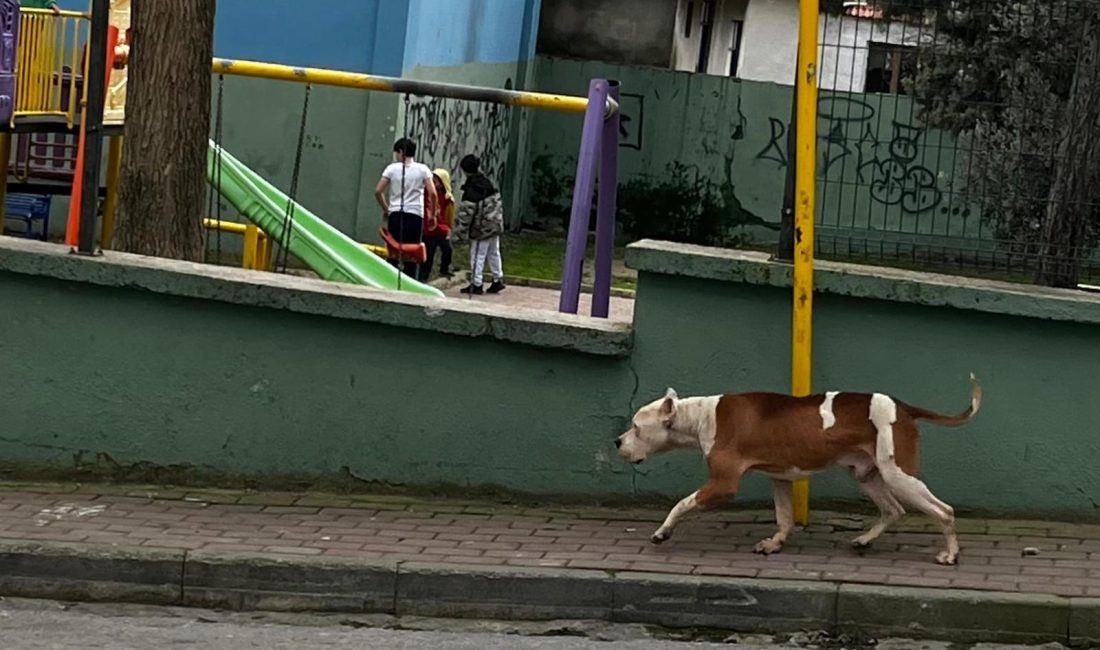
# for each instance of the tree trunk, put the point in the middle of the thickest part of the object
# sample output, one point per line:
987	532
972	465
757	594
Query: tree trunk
163	180
1074	193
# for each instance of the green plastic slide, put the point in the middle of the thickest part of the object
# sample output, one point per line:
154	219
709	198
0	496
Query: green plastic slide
330	253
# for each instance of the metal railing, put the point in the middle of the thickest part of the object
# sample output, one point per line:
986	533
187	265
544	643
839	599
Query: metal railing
956	136
49	64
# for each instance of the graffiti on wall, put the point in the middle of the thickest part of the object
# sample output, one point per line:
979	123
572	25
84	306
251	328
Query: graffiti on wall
631	120
851	145
447	129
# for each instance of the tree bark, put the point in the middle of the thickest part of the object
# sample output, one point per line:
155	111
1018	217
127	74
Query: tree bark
1074	193
163	180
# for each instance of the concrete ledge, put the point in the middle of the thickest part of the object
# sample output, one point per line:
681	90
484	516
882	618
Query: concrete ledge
858	281
501	593
971	616
1084	621
741	604
242	581
93	574
257	582
317	297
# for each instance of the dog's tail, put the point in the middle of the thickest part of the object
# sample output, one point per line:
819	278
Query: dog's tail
918	413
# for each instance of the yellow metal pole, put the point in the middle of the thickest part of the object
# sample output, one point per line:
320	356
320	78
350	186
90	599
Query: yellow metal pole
5	155
265	253
251	247
110	205
323	77
804	184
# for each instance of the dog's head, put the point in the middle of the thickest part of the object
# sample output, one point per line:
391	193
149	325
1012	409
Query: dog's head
652	431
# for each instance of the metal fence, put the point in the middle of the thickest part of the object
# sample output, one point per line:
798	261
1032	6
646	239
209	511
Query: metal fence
962	136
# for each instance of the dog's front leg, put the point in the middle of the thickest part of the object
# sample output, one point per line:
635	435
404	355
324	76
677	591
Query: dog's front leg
709	496
686	505
784	517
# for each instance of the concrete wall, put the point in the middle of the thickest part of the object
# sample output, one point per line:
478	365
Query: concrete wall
732	135
916	336
208	373
639	32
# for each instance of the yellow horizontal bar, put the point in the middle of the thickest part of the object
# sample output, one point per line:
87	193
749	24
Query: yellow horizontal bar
225	226
64	13
323	77
40	114
240	228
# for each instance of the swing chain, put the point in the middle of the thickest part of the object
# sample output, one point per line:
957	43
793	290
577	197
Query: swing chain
292	203
214	203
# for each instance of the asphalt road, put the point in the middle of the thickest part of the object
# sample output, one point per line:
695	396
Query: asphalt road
47	625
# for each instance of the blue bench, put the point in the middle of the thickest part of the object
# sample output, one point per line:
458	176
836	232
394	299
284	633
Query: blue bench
29	208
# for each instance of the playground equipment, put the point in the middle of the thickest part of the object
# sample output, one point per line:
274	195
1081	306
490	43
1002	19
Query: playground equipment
49	87
330	253
43	102
599	142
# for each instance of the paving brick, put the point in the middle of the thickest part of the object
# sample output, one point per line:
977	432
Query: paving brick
293	550
604	565
292	510
602	539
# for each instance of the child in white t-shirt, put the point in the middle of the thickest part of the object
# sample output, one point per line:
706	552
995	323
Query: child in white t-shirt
400	192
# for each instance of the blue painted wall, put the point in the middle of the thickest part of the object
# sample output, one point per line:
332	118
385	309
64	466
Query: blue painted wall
379	36
455	32
355	35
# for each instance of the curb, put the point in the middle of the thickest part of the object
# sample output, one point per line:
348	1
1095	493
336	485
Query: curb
256	582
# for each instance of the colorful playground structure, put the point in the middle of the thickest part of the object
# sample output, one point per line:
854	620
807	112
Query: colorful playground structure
55	111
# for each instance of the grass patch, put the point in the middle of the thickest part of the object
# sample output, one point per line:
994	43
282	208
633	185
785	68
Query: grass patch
539	256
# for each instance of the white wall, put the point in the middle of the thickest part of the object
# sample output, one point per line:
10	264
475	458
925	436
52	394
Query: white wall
770	47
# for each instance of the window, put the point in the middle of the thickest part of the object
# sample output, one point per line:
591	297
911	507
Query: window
736	29
888	66
706	36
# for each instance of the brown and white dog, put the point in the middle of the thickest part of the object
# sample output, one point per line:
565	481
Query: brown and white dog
789	438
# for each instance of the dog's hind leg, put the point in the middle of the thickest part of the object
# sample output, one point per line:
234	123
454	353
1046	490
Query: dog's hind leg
889	509
710	495
784	518
896	456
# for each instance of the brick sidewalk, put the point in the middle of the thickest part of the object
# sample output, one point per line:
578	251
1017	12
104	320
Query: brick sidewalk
718	544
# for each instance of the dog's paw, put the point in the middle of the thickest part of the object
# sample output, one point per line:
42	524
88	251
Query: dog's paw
768	546
660	537
861	544
947	558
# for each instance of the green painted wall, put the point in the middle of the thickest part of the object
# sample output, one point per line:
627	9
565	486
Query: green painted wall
879	169
129	362
164	380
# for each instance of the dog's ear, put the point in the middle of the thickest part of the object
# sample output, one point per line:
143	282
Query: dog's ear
671	394
668	407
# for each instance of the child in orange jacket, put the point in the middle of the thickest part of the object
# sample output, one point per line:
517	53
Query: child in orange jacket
438	222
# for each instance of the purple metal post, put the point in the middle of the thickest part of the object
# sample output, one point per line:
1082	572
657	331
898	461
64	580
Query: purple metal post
9	40
583	188
605	209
